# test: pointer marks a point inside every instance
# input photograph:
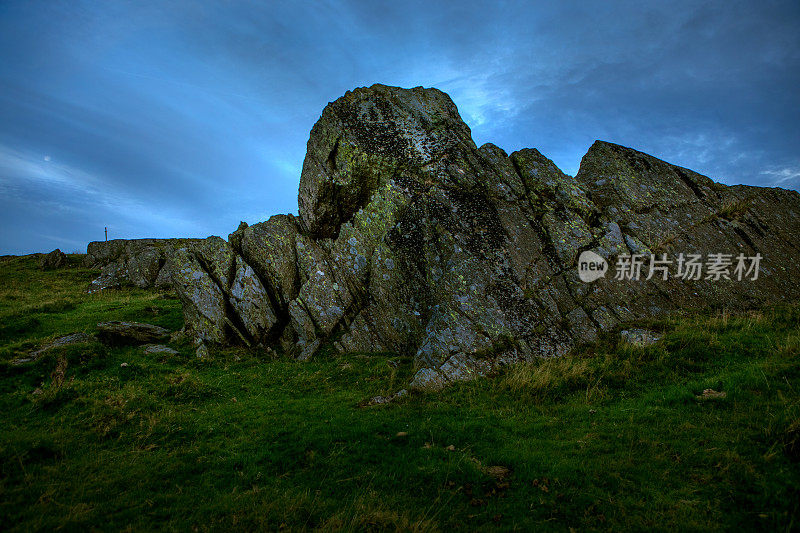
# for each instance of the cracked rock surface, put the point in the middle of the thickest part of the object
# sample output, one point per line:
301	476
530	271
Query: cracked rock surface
138	262
412	239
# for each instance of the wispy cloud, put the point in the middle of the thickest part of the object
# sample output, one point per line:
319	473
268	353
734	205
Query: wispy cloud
18	166
787	177
41	179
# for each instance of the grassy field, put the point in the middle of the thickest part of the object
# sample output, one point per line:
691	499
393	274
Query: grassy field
613	437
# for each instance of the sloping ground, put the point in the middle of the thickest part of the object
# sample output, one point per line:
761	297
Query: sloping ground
611	437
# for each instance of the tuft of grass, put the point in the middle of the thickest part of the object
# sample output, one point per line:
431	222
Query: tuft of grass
735	209
548	378
731	210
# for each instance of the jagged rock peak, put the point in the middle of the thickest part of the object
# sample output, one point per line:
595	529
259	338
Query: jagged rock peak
365	138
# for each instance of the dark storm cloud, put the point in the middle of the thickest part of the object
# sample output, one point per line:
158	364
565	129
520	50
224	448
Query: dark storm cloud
181	118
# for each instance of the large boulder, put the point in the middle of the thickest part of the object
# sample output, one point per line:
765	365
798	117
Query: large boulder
412	239
54	259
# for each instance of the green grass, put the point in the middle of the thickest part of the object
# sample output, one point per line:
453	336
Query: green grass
613	437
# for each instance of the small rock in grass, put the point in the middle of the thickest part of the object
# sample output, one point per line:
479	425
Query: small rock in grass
377	400
639	337
497	471
117	332
711	394
154	349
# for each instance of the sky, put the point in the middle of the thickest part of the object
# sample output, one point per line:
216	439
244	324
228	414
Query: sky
180	119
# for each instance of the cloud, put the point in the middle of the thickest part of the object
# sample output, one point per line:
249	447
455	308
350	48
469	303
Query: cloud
184	117
787	177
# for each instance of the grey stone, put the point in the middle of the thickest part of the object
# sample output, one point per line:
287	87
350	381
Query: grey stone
112	276
381	400
639	336
52	260
159	349
118	332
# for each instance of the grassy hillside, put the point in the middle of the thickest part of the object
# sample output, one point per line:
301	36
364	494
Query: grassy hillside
612	437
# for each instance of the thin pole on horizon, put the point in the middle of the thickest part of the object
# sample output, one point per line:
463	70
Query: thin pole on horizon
106	228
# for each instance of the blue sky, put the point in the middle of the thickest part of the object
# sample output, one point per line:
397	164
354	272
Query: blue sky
161	119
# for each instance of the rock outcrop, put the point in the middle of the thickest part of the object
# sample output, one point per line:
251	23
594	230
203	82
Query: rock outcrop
138	262
412	239
54	259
